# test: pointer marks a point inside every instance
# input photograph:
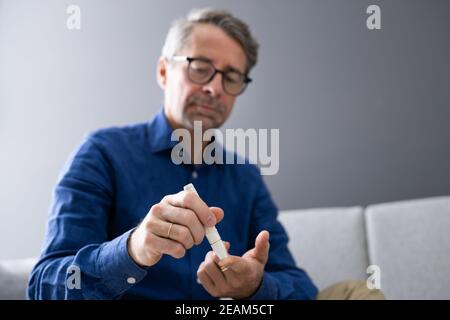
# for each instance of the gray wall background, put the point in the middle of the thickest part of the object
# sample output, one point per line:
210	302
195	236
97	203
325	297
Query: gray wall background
363	115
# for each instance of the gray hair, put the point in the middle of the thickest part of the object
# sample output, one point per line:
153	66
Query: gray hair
181	29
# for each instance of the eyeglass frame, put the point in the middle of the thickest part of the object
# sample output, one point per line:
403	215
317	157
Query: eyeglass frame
247	80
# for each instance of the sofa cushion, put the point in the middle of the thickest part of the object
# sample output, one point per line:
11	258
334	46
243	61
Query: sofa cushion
329	243
410	242
14	278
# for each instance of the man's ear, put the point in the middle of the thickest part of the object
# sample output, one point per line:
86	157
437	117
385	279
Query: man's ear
161	72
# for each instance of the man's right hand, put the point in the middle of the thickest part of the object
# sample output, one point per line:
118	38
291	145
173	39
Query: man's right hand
189	215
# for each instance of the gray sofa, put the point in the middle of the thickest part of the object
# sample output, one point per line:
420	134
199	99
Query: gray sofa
409	241
14	278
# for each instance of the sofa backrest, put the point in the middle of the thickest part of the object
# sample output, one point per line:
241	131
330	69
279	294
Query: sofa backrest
410	242
328	243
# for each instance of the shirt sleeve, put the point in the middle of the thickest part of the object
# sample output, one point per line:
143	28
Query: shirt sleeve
78	260
282	279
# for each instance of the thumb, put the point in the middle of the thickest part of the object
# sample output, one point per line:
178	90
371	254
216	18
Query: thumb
218	212
262	245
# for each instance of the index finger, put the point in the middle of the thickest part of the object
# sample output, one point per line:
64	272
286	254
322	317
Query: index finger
189	200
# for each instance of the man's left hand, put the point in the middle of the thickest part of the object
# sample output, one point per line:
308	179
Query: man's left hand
241	276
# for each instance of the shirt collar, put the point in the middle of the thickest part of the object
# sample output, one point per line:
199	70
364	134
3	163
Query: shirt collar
160	132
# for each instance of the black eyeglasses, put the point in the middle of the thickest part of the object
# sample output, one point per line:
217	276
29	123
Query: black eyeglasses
202	71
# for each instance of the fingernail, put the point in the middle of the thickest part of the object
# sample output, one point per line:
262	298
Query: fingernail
211	221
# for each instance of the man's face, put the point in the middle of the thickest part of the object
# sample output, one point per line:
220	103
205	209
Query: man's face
185	101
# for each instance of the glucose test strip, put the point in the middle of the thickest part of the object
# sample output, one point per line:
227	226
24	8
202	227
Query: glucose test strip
211	233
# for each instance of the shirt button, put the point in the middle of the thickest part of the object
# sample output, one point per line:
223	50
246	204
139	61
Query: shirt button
131	280
194	174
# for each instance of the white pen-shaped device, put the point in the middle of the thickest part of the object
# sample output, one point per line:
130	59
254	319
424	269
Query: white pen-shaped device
211	233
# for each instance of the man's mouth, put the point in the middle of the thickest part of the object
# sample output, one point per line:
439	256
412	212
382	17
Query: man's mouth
204	106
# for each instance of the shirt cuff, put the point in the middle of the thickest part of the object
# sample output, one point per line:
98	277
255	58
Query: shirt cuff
268	289
118	270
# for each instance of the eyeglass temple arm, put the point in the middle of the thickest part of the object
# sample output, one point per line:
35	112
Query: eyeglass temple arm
180	58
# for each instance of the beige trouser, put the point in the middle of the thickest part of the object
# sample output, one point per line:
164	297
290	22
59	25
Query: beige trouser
350	290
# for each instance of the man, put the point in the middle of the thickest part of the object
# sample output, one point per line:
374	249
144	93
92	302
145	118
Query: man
119	214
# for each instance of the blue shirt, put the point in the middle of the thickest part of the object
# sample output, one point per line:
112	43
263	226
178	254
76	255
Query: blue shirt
108	187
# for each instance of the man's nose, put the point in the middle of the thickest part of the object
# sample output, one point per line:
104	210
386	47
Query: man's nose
214	87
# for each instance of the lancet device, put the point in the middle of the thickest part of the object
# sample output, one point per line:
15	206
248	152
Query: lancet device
211	233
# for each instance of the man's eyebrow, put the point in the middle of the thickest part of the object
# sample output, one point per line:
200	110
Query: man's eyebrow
230	68
227	67
203	58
